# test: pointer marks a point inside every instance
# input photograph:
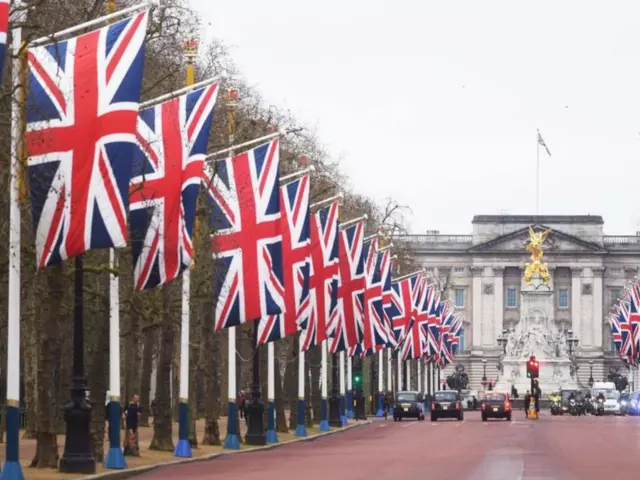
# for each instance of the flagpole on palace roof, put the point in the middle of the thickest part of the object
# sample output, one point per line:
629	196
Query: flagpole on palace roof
538	173
12	470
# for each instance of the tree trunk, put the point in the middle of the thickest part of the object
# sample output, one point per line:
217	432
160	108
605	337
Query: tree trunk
291	382
65	369
150	341
163	418
279	400
314	356
48	329
132	352
29	343
210	359
193	399
99	376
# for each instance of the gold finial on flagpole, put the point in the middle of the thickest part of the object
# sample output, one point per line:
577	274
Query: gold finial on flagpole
111	6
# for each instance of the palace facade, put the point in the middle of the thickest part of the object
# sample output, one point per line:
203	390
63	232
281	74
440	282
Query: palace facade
481	274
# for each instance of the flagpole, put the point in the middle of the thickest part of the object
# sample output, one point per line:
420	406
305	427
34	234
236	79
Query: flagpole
538	174
272	436
12	470
183	447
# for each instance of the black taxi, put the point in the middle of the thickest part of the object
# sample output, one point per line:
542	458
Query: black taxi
446	404
408	405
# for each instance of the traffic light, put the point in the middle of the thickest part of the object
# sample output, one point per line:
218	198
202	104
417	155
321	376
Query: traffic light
357	375
533	367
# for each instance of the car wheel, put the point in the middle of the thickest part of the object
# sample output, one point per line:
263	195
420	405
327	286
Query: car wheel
434	418
508	418
395	419
484	418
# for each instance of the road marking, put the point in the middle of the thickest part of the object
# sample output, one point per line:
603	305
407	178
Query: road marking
382	425
512	423
409	424
460	423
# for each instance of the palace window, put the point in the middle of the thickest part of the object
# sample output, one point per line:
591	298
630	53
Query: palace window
459	297
615	294
512	299
563	298
458	270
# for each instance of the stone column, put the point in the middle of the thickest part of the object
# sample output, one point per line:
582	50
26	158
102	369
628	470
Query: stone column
598	307
498	298
576	286
476	304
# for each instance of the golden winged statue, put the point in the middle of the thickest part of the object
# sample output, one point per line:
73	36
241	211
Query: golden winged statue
536	240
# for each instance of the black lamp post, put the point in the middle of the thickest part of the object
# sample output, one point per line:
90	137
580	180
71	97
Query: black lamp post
77	456
572	341
334	401
256	434
484	373
591	373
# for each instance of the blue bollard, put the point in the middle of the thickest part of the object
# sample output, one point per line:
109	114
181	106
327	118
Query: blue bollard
380	412
232	442
301	430
12	470
115	458
343	413
183	447
272	435
324	420
350	404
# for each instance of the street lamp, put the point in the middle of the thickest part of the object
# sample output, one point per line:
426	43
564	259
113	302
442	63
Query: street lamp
572	342
484	373
503	340
590	373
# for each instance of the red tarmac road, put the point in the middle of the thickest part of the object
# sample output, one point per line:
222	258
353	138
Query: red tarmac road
559	448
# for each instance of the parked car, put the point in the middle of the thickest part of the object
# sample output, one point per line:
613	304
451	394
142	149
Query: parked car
496	405
446	404
408	405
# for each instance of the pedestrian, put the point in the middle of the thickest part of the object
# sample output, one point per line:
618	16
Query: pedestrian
132	419
475	403
385	405
527	400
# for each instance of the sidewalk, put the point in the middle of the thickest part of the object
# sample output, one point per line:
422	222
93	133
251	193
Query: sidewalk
147	457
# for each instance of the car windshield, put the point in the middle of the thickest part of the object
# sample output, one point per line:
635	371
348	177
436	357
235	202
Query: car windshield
407	397
495	397
446	396
608	394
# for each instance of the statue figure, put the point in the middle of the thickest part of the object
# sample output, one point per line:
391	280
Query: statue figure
512	349
458	380
535	340
537	266
561	344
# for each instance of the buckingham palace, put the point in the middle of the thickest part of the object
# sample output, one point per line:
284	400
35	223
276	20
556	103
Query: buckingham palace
481	274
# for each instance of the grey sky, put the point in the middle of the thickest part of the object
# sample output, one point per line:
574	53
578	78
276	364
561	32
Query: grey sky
436	103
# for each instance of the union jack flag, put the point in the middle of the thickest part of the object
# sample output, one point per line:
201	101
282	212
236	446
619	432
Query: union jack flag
167	173
454	335
325	274
83	102
415	342
446	336
627	348
633	295
374	327
247	246
404	295
434	323
296	258
345	326
4	26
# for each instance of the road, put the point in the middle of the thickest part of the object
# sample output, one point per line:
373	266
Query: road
559	448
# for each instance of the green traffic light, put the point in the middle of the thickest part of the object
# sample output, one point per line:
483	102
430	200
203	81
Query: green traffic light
357	379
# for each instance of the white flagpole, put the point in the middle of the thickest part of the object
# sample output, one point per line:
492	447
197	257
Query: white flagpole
380	383
418	376
343	415
399	379
12	468
324	407
389	372
538	174
349	387
408	363
301	430
183	447
426	375
115	458
272	436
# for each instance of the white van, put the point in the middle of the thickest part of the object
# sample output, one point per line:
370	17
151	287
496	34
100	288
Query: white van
611	395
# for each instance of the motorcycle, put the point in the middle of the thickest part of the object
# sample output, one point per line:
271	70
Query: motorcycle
600	406
573	407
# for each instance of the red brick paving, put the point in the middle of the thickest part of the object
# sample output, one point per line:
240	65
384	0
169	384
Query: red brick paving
559	448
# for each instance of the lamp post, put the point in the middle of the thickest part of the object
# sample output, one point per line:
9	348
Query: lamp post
572	341
484	373
590	373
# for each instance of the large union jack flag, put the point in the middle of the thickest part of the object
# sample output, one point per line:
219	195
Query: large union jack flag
633	295
624	339
416	339
296	258
616	331
82	112
167	173
433	326
446	335
244	197
4	26
345	326
401	308
454	335
323	281
373	328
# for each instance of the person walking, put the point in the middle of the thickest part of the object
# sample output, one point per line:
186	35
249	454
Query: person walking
132	419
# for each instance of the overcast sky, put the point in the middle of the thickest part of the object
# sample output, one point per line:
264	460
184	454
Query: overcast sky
436	103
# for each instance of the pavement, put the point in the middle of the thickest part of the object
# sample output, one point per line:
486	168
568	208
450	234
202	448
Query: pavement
550	448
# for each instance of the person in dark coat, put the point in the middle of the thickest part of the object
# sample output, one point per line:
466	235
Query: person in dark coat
132	419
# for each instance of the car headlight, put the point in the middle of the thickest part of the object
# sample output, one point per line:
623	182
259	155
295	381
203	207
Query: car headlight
623	403
634	403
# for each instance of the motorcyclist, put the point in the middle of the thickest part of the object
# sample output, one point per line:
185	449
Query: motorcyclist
601	397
